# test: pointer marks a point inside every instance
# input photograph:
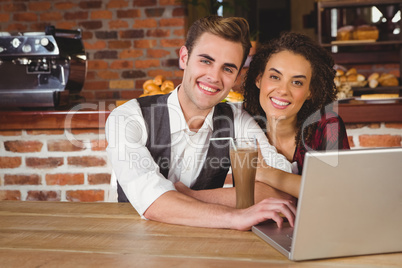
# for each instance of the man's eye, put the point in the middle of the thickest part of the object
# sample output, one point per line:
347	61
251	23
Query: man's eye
205	61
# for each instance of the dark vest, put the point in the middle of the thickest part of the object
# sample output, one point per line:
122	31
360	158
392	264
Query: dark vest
216	166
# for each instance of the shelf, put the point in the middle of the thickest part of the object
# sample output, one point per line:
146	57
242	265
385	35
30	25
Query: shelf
355	3
361	43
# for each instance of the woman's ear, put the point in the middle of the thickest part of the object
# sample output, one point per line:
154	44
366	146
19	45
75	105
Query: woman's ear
183	57
258	82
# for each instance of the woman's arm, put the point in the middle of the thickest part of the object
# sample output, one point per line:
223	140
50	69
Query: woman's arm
281	180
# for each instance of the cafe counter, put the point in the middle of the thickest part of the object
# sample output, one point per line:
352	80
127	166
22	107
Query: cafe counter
59	154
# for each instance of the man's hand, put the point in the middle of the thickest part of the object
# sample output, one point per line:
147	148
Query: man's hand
270	208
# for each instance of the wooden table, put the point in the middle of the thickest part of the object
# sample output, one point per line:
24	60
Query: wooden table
62	234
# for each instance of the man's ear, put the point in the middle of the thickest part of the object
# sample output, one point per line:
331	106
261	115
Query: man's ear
183	57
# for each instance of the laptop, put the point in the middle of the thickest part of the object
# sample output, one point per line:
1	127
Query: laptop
350	204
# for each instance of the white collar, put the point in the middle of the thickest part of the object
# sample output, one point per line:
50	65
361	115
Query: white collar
176	116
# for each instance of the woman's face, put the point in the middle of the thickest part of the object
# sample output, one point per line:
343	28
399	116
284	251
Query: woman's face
284	85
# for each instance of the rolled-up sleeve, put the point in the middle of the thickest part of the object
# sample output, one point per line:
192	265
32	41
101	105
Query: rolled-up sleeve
132	163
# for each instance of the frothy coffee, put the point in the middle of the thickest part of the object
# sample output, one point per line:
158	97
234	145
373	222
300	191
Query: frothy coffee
244	164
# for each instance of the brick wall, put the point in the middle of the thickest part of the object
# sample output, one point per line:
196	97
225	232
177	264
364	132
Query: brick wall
127	41
374	135
45	165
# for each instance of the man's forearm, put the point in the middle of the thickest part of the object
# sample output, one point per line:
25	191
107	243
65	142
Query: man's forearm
221	196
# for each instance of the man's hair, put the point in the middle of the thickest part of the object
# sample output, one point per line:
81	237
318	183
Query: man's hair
233	29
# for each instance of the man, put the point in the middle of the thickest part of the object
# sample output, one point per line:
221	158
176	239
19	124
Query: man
160	146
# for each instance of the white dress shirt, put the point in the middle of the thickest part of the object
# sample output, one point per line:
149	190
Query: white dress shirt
137	172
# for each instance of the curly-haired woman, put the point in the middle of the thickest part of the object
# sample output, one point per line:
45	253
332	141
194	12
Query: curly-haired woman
289	89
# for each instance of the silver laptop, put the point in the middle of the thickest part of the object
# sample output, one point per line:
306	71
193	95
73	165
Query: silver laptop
350	203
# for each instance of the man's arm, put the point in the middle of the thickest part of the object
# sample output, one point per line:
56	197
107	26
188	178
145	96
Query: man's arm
227	196
176	208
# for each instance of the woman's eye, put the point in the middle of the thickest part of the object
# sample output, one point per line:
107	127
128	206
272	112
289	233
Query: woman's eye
227	69
274	77
298	83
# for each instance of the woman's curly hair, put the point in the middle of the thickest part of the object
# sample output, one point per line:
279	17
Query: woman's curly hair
322	85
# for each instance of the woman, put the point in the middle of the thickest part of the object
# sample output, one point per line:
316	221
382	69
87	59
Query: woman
289	88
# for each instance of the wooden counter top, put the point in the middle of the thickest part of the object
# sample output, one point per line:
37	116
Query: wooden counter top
94	115
64	234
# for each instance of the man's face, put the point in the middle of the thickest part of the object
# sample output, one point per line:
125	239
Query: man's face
209	73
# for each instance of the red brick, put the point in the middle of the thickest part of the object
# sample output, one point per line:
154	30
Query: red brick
101	14
25	17
45	132
65	5
90	4
41	163
108	75
132	34
145	43
172	22
380	140
154	12
96	85
98	145
374	125
157	53
32	179
91	25
147	63
158	33
4	17
131	94
387	125
116	44
43	196
146	23
10	132
69	25
79	15
39	6
100	178
91	75
97	64
169	2
107	95
122	64
10	162
165	73
87	131
116	24
128	13
144	3
131	53
10	195
172	42
65	146
85	195
16	27
179	12
23	146
117	4
351	142
179	32
65	179
86	161
15	7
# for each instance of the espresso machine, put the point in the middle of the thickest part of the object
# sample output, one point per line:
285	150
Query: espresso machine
41	69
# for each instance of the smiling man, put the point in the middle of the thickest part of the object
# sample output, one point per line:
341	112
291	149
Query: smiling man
160	149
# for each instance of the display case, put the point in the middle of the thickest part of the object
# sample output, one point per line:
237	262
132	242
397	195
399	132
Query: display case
340	29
